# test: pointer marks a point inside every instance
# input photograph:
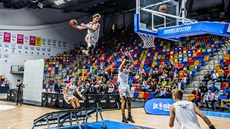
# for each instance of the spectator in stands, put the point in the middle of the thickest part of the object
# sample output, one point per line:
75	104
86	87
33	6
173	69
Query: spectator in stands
210	98
58	86
203	88
215	76
161	94
197	96
207	76
213	88
224	65
224	101
226	91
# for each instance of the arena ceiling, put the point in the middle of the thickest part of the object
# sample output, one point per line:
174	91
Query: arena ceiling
112	6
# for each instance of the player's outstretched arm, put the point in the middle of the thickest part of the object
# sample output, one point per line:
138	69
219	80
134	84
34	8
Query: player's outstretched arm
204	117
91	28
65	89
79	27
78	92
121	66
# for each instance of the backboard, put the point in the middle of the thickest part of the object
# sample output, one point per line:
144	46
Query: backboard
149	17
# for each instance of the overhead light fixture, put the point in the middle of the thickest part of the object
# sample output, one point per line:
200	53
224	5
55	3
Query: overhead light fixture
40	5
59	2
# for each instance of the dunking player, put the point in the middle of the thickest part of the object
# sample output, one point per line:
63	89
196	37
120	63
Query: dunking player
92	33
124	88
185	113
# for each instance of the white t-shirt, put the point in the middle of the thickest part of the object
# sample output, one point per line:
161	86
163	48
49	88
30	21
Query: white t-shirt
185	115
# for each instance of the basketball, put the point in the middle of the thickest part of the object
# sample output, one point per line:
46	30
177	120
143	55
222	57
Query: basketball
73	22
163	8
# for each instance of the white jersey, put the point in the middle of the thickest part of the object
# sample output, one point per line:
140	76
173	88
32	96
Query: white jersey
123	77
95	34
185	115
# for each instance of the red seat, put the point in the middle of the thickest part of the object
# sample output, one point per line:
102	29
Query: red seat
137	88
146	95
224	84
226	72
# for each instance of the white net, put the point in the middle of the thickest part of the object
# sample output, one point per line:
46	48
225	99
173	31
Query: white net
148	40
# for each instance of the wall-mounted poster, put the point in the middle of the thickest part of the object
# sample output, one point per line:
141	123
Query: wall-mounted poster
44	43
32	50
20	49
64	44
59	43
49	42
32	40
6	48
38	41
26	40
20	38
13	48
0	57
48	51
54	43
7	37
38	50
13	38
43	51
26	49
1	36
5	57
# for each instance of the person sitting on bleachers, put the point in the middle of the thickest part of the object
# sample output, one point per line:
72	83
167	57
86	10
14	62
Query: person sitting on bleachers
224	65
161	94
215	76
226	90
207	76
203	88
197	95
210	98
213	88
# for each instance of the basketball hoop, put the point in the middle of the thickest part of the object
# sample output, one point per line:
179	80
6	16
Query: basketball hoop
147	39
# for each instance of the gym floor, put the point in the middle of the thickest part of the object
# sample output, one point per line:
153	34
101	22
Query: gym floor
22	116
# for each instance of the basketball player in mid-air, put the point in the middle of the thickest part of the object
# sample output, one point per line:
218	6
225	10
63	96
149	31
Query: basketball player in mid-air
124	88
185	113
68	94
93	30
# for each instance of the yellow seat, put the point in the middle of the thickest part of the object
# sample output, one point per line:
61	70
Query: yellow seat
220	72
217	67
226	57
191	97
206	58
141	95
197	62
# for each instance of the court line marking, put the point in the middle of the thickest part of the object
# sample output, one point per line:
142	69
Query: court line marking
17	123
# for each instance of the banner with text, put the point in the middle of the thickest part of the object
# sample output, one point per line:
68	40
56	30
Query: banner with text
7	37
20	38
32	40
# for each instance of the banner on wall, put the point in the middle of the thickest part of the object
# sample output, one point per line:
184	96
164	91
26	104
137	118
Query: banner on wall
27	40
20	49
158	106
26	49
33	40
32	50
59	43
1	36
13	48
7	37
48	52
38	41
43	51
6	48
64	44
49	42
54	44
44	43
0	57
13	38
6	58
20	38
38	50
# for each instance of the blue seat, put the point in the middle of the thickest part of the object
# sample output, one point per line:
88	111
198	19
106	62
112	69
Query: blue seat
151	95
135	95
